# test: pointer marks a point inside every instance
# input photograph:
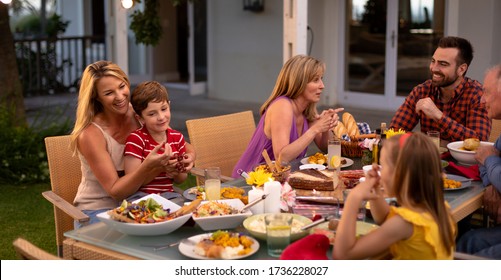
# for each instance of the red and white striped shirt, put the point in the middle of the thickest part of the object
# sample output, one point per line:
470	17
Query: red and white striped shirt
139	144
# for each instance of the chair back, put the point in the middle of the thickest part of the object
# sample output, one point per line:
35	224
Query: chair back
221	140
65	176
495	130
28	251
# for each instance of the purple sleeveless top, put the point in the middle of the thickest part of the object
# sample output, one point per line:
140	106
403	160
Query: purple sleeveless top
259	141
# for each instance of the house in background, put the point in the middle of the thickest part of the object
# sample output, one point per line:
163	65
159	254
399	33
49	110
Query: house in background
375	50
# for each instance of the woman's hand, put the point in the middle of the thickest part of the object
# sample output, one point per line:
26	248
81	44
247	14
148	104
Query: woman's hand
327	120
156	160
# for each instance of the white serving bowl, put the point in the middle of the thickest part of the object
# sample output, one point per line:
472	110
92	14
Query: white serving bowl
256	227
223	222
159	228
462	156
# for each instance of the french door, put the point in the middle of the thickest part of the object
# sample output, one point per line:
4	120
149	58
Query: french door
387	50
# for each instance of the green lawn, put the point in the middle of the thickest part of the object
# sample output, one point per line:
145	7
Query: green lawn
24	212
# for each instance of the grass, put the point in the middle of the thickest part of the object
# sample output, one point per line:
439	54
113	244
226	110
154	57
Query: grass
24	212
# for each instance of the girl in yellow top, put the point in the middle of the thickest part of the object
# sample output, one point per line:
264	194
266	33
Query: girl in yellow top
422	227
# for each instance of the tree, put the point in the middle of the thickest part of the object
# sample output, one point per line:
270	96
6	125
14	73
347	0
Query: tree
11	91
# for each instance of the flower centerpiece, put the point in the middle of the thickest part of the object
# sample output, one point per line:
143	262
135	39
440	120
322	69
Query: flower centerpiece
391	132
288	197
261	175
366	147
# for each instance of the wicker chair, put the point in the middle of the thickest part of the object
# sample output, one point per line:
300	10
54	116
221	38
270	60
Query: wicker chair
65	176
495	130
220	141
28	251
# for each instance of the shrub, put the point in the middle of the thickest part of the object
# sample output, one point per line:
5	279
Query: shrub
23	158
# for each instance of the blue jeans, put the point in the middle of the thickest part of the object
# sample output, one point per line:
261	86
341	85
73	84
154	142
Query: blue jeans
484	242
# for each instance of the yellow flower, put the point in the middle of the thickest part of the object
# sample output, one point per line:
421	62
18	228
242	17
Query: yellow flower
259	177
391	132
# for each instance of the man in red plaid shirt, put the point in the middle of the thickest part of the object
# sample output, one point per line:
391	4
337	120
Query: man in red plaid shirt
449	102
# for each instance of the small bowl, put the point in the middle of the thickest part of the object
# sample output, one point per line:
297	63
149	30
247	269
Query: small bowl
464	157
223	222
366	169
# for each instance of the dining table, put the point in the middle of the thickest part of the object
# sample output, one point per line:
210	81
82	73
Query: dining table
99	241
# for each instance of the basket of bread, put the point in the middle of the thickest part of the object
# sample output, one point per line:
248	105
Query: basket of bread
349	127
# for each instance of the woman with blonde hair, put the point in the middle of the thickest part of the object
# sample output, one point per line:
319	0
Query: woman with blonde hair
104	119
289	118
422	226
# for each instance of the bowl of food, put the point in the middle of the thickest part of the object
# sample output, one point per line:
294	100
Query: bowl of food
220	214
138	218
464	151
256	227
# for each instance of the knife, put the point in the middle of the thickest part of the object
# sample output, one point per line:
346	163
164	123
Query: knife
317	222
320	199
254	202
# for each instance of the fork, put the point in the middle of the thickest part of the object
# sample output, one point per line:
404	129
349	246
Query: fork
158	247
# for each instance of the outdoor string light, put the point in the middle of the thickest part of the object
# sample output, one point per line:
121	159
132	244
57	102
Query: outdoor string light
127	4
6	2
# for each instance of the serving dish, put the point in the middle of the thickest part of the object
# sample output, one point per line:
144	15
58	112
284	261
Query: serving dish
349	162
190	193
226	221
464	157
256	227
465	182
188	248
363	228
312	166
158	228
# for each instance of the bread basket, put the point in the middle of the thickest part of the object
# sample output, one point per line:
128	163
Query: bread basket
351	149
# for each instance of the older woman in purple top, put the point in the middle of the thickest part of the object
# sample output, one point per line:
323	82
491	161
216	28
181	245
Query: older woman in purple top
289	118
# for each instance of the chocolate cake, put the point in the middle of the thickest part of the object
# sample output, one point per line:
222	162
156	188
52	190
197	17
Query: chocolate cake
310	179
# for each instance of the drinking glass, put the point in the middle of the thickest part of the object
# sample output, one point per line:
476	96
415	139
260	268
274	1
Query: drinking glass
435	137
361	208
212	183
278	233
333	149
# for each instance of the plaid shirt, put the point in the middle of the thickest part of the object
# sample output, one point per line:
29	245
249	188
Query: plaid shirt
464	116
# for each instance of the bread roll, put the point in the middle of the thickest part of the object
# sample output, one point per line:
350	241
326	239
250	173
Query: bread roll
340	130
350	124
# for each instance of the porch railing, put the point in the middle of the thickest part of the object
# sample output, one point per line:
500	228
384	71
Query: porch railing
55	65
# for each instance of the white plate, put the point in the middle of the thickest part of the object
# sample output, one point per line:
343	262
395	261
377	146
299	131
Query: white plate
464	185
312	166
193	196
443	150
187	248
349	162
362	228
148	229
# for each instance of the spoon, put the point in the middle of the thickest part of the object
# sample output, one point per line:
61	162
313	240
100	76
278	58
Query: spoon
317	222
254	202
268	161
